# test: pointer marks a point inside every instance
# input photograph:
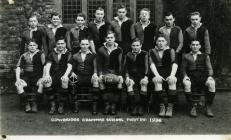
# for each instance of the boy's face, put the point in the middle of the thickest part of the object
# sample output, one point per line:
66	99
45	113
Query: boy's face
169	20
99	15
144	16
33	22
55	20
32	47
121	13
161	43
136	46
84	45
195	46
80	21
195	20
110	39
60	45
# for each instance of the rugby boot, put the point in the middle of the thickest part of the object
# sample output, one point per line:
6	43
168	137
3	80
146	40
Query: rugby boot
162	110
34	107
52	109
169	110
94	108
61	108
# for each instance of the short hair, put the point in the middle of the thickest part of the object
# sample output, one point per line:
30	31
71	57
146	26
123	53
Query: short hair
55	14
32	16
110	32
32	40
168	14
84	39
145	9
81	15
60	38
136	40
121	6
194	14
161	35
195	40
100	9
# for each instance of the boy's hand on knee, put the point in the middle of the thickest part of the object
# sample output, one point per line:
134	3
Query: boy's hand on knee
158	79
171	79
121	80
127	81
144	81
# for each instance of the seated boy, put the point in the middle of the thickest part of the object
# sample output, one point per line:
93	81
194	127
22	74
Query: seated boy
198	72
29	84
110	63
136	70
58	68
163	67
85	71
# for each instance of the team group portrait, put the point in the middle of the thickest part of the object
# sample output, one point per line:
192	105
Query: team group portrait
116	67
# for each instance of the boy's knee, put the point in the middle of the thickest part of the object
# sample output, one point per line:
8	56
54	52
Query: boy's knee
187	85
157	83
211	85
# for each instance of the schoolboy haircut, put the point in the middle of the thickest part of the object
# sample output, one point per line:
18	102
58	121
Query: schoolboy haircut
55	14
145	9
60	38
32	16
81	15
168	14
121	6
160	35
110	32
85	39
100	9
195	40
136	40
194	13
31	40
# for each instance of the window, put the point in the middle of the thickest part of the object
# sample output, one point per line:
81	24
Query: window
70	9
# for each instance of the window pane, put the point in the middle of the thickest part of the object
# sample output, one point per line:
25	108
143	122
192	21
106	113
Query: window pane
70	9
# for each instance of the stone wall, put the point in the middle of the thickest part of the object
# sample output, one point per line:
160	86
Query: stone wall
13	20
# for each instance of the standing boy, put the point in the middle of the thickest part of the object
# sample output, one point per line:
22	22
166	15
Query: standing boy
144	30
77	33
54	31
98	28
122	25
33	33
196	31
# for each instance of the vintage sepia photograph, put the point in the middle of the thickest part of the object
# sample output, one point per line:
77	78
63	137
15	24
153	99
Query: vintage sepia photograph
115	67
